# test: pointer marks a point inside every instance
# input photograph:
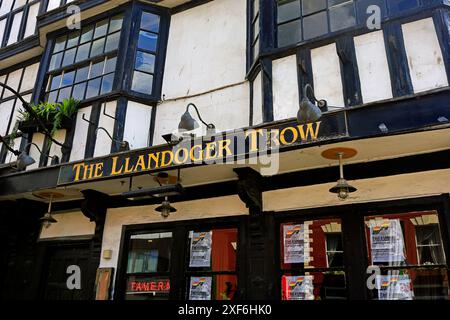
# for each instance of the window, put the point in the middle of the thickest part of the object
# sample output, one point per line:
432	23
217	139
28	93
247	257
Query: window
53	4
312	263
148	267
211	269
254	45
13	28
22	80
407	249
83	63
302	20
144	67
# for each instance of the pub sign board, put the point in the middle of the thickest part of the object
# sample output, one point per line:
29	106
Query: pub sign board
223	148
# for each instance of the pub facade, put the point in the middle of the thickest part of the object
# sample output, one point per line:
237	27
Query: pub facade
224	149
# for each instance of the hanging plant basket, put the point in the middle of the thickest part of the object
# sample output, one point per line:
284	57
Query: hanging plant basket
32	126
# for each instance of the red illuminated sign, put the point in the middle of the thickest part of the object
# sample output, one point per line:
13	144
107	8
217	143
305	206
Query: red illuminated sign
149	286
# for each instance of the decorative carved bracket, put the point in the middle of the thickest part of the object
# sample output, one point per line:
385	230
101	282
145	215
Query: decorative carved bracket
249	188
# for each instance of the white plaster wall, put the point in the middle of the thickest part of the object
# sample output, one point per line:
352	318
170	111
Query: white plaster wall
424	54
13	81
38	139
31	20
327	75
257	100
80	136
5	113
55	150
198	209
206	48
285	88
69	224
15	28
29	78
137	125
103	142
227	109
373	67
369	190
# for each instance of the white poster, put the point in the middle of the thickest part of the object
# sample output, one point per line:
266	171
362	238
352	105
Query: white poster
298	287
394	287
200	288
200	249
386	237
296	243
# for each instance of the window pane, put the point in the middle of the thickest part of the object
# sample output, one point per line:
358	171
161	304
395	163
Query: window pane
315	25
342	17
68	78
83	52
97	69
288	10
56	82
219	287
147	41
289	33
150	22
78	91
64	94
110	65
107	83
97	47
112	42
311	244
93	88
142	82
87	34
396	240
55	61
411	284
60	44
397	6
311	6
100	29
116	23
82	74
149	253
145	62
314	286
72	41
69	57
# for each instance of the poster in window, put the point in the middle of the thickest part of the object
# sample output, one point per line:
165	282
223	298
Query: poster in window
394	287
296	243
201	243
298	288
200	288
387	241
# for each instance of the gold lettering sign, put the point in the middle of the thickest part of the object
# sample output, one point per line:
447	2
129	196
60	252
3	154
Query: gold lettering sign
195	152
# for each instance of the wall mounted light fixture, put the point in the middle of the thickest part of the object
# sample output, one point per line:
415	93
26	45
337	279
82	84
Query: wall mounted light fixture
308	111
187	123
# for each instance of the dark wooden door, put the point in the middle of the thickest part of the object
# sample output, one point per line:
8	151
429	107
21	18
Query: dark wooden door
59	258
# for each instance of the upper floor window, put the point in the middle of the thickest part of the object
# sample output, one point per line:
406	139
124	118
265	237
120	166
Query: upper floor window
53	4
302	20
17	20
83	63
147	46
108	55
254	30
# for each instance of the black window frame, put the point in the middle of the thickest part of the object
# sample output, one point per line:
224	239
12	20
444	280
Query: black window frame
352	216
178	273
125	54
23	24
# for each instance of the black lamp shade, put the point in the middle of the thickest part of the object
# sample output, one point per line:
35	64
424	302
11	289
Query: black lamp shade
187	123
308	112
